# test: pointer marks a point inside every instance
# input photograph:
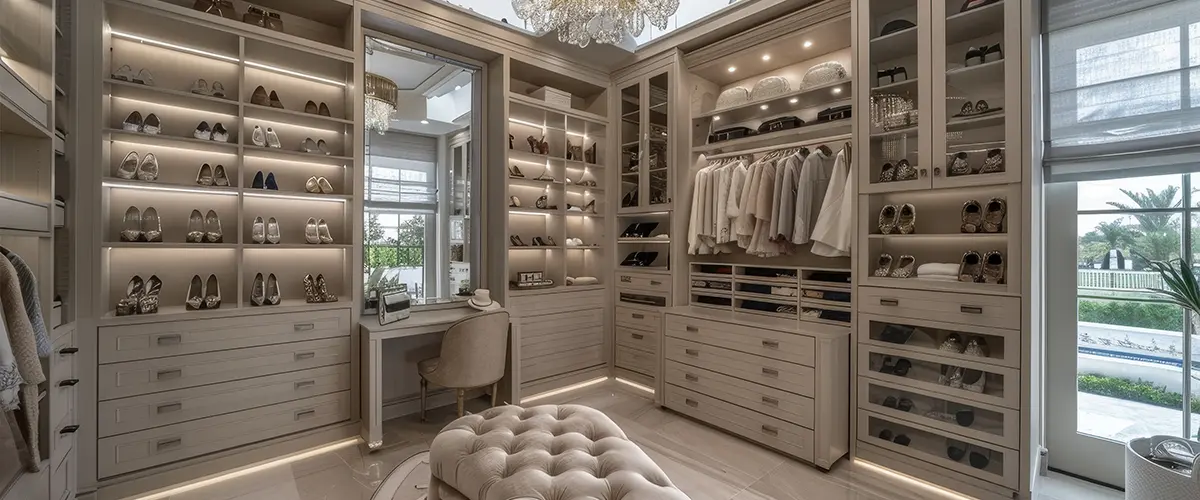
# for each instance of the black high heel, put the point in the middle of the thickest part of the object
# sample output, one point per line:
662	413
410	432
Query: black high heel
631	231
646	228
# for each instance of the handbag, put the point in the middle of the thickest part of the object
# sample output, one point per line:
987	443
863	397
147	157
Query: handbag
394	306
777	124
730	134
835	113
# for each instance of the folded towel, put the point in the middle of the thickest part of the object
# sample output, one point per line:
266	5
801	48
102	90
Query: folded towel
937	269
938	278
582	280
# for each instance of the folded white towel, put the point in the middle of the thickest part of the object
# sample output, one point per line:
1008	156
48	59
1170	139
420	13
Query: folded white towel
937	269
582	280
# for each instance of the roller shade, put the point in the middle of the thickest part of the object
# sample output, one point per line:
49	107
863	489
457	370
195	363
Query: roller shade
402	171
403	146
1124	88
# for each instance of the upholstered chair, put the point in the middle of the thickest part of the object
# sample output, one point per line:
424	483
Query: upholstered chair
474	353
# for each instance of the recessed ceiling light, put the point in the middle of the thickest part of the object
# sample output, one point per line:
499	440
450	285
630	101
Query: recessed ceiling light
732	69
717	118
424	122
766	57
763	107
807	43
794	100
837	90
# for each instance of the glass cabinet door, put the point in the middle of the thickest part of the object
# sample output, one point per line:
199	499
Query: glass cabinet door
898	158
977	91
631	148
658	172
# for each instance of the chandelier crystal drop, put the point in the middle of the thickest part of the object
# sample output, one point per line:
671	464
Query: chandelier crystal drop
606	21
380	102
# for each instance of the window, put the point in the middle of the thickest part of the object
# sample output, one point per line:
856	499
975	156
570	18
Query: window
401	213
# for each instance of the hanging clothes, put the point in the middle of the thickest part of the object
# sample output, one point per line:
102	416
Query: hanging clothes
834	232
24	346
33	303
763	200
744	226
10	375
786	199
696	221
725	175
733	206
810	193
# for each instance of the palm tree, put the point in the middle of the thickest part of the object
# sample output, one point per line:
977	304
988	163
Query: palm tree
1108	235
1150	223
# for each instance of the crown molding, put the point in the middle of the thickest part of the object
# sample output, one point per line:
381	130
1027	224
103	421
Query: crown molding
792	24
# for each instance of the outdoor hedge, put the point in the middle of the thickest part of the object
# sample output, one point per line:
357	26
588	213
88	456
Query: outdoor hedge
1136	314
1139	391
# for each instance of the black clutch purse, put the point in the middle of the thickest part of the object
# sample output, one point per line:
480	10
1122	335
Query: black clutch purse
730	134
838	113
783	123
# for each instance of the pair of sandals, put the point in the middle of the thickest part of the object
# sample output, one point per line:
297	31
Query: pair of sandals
964	378
901	171
541	203
905	268
640	259
988	268
538	241
985	54
962	417
977	218
639	230
994	163
902	218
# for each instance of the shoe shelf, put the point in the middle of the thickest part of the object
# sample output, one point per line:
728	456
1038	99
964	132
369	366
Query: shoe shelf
993	424
1001	385
981	460
775	291
823	95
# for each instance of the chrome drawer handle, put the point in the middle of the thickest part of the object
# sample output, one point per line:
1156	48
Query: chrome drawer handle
637	336
169	408
692	329
306	414
691	378
304	327
305	384
773	344
770	371
770	401
167	444
168	374
68	350
970	309
889	302
691	402
70	429
655	283
175	339
691	352
68	382
769	430
638	316
300	356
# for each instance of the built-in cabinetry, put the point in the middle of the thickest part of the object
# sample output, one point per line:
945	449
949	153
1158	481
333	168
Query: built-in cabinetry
939	333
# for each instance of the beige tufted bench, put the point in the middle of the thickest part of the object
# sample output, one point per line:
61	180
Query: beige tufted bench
545	453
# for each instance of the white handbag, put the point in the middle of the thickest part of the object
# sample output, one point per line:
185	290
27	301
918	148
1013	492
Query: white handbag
394	306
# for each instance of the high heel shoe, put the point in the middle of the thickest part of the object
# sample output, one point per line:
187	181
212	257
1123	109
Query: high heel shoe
128	305
323	290
129	166
590	207
887	219
310	186
323	232
513	171
133	123
512	240
148	303
270	184
310	107
323	110
960	166
308	145
538	242
518	241
273	139
323	147
887	173
259	97
151	226
975	380
274	100
324	185
971	268
258	137
273	296
972	217
541	202
219	176
904	269
204	176
993	215
212	293
148	168
993	268
310	290
203	131
994	162
152	125
883	266
906	222
219	134
258	231
310	232
905	171
195	294
258	292
257	183
132	231
195	226
274	236
212	228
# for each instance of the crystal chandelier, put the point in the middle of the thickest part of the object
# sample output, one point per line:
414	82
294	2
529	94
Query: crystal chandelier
380	102
606	21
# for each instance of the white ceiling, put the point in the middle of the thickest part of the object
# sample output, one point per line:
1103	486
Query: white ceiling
428	77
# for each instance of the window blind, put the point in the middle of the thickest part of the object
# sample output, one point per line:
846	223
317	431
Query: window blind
1124	88
402	170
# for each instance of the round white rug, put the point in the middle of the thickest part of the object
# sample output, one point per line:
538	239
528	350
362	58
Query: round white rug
408	481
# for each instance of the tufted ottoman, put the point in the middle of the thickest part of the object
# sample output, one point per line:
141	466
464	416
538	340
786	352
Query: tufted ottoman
545	453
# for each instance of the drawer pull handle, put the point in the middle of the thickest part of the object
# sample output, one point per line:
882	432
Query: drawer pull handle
175	339
691	402
655	283
692	329
300	356
305	384
167	444
770	401
68	350
773	344
769	430
770	371
889	302
68	382
691	378
637	336
70	429
169	408
168	374
970	309
691	352
304	327
306	414
638	316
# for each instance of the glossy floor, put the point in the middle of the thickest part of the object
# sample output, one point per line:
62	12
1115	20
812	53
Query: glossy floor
705	463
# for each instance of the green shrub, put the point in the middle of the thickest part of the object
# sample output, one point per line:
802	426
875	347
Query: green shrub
1139	391
1136	314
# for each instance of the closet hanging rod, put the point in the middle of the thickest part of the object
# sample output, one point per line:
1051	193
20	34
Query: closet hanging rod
764	149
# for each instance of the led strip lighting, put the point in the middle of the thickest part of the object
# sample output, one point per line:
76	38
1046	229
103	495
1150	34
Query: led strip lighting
634	385
220	192
563	390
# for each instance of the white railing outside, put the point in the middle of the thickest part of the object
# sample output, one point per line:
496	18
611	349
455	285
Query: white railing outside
1122	280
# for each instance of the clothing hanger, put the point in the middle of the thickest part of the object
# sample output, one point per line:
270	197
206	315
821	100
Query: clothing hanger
825	150
848	149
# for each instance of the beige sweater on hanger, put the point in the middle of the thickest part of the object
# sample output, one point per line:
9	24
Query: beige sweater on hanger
24	346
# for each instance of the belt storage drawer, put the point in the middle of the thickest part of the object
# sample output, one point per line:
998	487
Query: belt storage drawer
637	339
638	361
153	447
979	310
774	402
647	282
784	436
982	460
640	319
556	364
156	340
124	415
155	375
770	372
759	341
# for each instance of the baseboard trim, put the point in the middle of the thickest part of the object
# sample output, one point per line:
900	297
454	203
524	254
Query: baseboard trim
1086	479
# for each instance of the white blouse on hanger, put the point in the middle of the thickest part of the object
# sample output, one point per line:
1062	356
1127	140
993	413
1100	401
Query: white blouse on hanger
810	194
833	234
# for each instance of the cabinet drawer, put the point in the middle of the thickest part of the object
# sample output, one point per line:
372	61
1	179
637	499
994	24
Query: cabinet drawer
566	301
786	437
556	364
781	375
638	361
153	447
156	340
63	377
1000	386
638	339
984	422
643	298
930	445
647	282
565	340
640	319
62	482
155	375
925	336
62	441
535	329
165	408
980	310
774	402
760	341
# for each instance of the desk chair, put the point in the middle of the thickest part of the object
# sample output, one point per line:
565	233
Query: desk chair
474	353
